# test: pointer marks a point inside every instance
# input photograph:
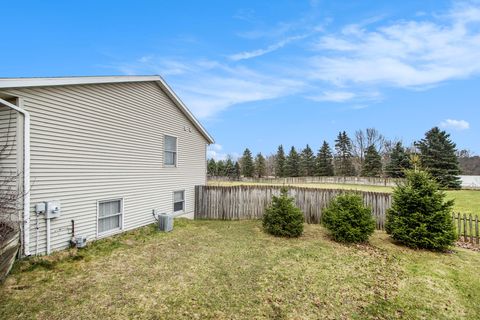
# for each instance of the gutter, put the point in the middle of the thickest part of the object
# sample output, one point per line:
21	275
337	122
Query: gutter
26	172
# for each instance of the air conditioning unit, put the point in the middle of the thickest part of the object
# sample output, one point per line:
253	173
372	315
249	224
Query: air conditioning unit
165	222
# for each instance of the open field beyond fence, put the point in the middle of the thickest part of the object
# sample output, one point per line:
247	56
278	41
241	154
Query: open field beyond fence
370	181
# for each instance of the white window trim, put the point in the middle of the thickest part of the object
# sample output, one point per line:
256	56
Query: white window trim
184	201
176	151
122	218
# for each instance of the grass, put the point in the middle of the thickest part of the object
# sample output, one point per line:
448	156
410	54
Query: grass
233	270
466	201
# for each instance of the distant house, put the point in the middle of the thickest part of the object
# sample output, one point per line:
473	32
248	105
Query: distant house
103	152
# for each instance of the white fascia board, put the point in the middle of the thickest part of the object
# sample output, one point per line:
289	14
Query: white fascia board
62	81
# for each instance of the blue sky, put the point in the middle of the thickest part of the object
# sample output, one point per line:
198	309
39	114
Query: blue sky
263	73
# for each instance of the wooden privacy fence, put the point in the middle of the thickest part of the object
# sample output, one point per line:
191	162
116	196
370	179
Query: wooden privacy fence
372	181
467	227
249	202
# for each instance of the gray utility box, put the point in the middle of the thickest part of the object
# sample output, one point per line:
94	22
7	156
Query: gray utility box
165	222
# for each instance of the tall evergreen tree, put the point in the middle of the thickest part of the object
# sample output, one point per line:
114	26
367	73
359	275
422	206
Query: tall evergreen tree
260	166
307	162
221	168
238	172
372	165
343	157
399	162
293	163
438	157
211	168
248	169
280	171
324	161
229	168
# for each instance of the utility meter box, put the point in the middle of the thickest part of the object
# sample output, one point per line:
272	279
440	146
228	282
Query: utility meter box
52	209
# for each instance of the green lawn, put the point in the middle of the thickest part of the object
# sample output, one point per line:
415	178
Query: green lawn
232	270
466	201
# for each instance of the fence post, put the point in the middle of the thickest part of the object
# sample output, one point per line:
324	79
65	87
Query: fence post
476	230
470	218
459	225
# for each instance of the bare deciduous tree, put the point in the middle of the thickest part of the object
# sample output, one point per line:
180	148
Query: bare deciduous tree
270	165
364	139
9	193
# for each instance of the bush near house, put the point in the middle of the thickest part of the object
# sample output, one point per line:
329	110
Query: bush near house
348	220
420	217
282	218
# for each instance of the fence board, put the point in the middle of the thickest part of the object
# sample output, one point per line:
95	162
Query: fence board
249	202
467	227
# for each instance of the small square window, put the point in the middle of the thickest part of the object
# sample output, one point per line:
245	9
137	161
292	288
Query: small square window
110	216
170	151
179	201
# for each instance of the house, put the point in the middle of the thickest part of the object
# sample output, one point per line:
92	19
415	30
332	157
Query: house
98	154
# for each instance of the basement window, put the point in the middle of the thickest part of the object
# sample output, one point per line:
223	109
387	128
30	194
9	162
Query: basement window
179	201
110	215
170	151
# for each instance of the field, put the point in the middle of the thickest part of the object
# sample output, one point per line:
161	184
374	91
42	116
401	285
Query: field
466	201
233	270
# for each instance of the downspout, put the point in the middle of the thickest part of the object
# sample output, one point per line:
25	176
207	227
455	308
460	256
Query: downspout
26	172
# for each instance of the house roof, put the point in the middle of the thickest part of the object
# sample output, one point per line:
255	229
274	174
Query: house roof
65	81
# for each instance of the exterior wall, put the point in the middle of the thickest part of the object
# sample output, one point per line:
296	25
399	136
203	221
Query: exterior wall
470	182
8	143
8	148
105	141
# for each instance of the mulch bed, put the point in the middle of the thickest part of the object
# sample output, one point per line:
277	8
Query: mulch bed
468	245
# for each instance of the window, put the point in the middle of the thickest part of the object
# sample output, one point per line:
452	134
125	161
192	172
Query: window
170	158
178	201
109	216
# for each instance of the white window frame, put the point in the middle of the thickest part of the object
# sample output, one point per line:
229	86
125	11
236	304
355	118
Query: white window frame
164	151
122	218
184	201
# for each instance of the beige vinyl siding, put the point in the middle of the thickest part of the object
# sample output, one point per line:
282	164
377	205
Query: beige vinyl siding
105	141
8	146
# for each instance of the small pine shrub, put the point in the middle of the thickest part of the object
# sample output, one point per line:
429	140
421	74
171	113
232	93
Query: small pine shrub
420	217
282	218
348	220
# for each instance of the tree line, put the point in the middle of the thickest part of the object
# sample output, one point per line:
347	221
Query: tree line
368	154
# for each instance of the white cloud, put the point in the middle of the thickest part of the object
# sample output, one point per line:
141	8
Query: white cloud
334	96
402	54
353	64
208	87
260	52
215	151
359	106
455	124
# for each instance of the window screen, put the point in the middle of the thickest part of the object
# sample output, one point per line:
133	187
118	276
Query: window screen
170	151
109	216
179	201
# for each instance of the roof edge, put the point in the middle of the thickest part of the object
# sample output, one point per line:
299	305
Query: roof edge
10	83
63	81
